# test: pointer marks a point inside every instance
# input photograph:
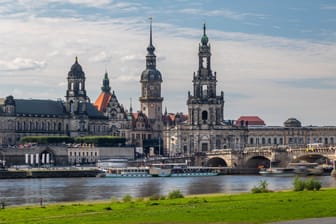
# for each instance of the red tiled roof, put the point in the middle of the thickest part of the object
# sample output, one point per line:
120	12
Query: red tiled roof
251	120
102	101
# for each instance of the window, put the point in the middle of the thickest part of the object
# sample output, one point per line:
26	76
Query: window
205	90
204	62
275	141
251	141
204	115
204	147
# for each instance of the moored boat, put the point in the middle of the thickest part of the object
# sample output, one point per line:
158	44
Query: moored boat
181	170
278	172
128	172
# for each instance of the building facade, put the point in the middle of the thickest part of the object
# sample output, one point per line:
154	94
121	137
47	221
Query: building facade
205	128
201	130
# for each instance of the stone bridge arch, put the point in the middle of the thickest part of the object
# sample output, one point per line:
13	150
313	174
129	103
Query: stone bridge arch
216	161
321	155
257	161
313	158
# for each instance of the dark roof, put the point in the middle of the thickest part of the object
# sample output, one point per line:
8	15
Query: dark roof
151	74
76	71
39	107
93	112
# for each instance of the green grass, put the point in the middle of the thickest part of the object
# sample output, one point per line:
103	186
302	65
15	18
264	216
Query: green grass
237	208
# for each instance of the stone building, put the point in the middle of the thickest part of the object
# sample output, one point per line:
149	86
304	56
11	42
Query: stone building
201	130
75	116
205	128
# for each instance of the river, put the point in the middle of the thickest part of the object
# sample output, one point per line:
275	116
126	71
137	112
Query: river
29	191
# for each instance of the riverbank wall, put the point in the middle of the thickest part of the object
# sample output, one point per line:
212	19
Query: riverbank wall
16	174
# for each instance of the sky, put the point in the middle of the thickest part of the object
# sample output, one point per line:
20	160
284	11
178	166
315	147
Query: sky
273	59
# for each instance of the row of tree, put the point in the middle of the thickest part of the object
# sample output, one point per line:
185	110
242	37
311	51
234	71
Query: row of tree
93	140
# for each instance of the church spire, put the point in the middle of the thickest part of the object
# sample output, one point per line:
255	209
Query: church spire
150	58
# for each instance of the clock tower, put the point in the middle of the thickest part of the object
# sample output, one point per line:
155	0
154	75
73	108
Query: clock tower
151	79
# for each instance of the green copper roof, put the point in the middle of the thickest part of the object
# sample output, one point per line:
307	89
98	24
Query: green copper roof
205	38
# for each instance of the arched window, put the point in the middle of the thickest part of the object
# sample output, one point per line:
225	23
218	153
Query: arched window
59	126
263	141
251	141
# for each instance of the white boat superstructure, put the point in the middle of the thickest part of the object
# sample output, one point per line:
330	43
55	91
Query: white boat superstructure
181	170
128	172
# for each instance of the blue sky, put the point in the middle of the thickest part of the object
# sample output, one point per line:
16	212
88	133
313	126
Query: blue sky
274	59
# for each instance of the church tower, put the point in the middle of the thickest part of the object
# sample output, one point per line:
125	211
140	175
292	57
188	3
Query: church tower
205	108
76	98
151	79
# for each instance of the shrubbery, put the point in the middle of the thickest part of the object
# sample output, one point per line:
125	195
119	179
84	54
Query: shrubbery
261	187
310	184
175	194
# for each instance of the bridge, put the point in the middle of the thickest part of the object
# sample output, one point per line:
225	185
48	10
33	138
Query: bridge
253	157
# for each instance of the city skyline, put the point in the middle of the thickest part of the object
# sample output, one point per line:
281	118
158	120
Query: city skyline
272	60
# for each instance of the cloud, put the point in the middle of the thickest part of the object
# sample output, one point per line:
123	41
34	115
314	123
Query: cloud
21	64
254	71
311	83
221	12
328	7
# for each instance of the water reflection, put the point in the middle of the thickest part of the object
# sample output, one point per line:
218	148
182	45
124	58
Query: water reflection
29	191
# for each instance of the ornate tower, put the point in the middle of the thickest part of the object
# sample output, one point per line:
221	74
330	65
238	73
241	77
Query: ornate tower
151	100
76	94
204	107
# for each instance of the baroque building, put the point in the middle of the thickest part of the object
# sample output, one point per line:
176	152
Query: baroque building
201	130
75	116
205	128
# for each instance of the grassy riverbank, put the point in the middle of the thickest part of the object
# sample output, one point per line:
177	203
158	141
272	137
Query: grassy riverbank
242	208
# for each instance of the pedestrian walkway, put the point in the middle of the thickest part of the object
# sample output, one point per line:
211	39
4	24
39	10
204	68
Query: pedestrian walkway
329	220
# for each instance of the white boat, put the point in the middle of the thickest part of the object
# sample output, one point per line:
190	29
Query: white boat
181	170
112	163
128	172
278	172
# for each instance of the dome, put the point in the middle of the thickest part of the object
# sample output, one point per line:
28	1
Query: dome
292	122
10	100
151	75
204	39
76	70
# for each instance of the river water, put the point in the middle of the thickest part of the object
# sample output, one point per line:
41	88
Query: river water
29	191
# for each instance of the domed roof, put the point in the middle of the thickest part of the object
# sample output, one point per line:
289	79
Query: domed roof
292	122
76	70
204	39
151	75
10	100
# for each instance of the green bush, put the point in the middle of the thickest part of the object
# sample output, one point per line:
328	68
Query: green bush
261	187
317	185
102	141
127	198
299	185
156	197
310	185
46	139
175	194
